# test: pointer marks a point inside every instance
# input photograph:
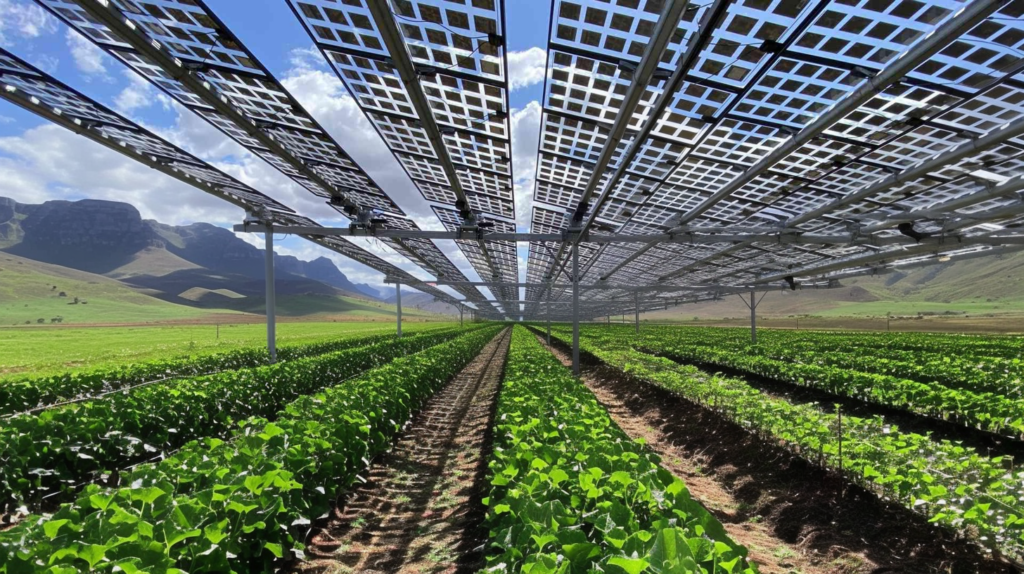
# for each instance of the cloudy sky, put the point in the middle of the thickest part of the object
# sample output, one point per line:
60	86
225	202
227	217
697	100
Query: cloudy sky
40	161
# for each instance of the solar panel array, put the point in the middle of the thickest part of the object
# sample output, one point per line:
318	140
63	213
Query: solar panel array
185	50
28	87
457	49
758	72
770	139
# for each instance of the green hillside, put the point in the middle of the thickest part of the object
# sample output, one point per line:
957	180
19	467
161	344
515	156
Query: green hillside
987	287
324	306
30	290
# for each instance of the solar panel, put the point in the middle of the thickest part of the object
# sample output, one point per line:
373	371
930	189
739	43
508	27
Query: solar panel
184	49
685	148
758	76
456	50
30	88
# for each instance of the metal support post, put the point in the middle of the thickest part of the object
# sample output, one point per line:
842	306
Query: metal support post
398	300
753	319
636	305
549	317
460	315
575	309
271	296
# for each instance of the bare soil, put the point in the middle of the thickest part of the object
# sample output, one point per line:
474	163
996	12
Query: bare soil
792	516
420	510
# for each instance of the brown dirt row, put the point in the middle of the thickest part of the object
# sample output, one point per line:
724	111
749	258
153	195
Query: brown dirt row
420	510
793	517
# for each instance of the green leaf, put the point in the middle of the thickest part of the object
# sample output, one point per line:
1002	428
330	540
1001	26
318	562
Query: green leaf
51	527
274	549
630	565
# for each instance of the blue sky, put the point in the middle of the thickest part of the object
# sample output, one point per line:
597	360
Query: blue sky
40	162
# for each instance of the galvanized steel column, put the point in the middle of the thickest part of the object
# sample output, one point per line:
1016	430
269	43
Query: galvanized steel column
753	319
575	309
398	299
271	296
549	315
636	303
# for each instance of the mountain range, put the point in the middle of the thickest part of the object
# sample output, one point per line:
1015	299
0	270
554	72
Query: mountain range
198	265
120	263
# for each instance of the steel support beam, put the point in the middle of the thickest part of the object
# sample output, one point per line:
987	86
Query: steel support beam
922	169
391	35
1010	188
575	309
636	304
736	240
110	15
753	319
398	301
549	317
271	302
959	24
661	36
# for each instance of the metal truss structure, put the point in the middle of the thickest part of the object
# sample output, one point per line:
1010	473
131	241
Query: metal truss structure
687	150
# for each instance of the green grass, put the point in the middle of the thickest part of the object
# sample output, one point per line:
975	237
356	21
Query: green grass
312	305
881	308
30	291
48	350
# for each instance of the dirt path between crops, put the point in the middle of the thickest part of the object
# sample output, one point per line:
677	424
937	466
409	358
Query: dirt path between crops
420	510
792	516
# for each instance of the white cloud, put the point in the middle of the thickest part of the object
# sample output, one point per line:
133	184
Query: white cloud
323	96
89	59
49	162
44	62
526	68
306	59
525	130
23	20
140	94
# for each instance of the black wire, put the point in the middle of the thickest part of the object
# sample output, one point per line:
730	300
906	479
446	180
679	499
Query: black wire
418	21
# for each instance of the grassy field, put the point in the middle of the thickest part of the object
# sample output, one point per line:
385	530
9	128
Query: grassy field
30	291
46	350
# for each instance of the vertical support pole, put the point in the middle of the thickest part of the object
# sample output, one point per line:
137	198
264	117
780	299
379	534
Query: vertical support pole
575	309
271	295
636	305
460	315
753	319
549	316
398	299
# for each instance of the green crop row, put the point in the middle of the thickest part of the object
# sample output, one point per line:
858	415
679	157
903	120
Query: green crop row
23	393
244	504
986	411
50	453
571	493
992	412
953	367
951	484
988	347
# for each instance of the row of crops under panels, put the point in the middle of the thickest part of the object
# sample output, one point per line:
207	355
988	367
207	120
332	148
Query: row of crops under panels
230	463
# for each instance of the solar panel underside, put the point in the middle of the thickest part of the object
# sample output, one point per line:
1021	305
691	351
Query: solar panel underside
39	92
763	72
457	49
264	117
